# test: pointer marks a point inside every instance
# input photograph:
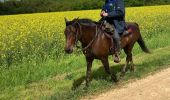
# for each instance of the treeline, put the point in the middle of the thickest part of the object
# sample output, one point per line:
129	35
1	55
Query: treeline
33	6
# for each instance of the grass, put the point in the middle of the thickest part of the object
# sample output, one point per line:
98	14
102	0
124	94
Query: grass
69	84
63	78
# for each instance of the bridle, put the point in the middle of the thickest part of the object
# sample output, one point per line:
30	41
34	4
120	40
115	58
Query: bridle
78	32
78	37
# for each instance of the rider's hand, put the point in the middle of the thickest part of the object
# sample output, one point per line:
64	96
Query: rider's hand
105	14
102	12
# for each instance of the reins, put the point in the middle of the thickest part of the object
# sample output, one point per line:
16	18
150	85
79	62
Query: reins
91	42
85	48
96	34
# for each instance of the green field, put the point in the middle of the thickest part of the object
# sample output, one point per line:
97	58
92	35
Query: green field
33	64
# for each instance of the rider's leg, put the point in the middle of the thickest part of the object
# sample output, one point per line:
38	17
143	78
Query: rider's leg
118	47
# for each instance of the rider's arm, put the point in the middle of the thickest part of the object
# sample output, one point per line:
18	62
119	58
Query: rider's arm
116	13
119	10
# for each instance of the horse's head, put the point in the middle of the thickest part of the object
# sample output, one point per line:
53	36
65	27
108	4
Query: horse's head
71	33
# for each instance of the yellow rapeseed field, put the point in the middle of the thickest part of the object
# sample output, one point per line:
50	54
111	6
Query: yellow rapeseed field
41	35
33	64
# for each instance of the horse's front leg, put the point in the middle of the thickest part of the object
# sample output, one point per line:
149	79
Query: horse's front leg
89	61
105	63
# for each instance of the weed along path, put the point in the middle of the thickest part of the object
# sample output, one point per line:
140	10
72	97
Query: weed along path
153	87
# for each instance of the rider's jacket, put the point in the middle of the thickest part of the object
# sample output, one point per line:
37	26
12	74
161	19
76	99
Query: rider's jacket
116	14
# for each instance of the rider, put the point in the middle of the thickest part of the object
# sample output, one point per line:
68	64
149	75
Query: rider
114	13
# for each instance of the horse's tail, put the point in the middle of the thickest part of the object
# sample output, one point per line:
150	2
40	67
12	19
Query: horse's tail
142	45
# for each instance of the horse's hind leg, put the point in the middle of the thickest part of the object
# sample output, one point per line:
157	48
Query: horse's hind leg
128	52
130	59
132	67
107	69
123	70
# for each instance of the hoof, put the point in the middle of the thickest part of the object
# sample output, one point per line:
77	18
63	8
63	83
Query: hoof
122	74
85	88
132	69
115	80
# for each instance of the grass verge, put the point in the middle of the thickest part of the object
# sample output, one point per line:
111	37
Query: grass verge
69	84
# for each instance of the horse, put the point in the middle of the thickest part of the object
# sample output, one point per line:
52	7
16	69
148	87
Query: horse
96	43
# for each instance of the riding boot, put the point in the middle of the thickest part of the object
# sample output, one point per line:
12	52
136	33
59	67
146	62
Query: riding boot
117	47
117	51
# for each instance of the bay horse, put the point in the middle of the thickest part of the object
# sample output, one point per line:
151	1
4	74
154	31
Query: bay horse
96	43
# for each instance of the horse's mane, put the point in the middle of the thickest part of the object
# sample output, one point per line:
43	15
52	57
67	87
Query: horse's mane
86	21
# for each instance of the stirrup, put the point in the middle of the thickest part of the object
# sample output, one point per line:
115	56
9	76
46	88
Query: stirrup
117	60
117	57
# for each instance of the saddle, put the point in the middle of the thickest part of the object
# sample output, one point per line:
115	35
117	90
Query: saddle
107	27
109	32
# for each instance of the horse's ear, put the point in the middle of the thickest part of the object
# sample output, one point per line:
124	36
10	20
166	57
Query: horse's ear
66	21
77	18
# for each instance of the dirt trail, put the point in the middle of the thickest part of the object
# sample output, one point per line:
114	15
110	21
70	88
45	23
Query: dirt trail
153	87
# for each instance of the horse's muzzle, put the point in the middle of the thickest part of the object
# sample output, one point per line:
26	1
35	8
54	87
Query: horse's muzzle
68	50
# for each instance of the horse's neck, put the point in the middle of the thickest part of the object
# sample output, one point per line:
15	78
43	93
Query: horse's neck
87	35
95	38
